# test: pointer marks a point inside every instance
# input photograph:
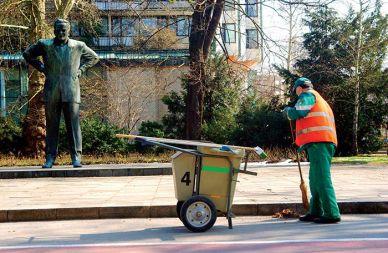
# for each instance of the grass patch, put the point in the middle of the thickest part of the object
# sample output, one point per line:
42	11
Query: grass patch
364	159
10	160
273	155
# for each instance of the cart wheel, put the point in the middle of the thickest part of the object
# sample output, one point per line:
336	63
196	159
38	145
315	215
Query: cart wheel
198	214
178	208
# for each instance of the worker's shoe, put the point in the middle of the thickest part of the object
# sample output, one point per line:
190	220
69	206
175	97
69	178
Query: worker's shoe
325	220
49	162
308	217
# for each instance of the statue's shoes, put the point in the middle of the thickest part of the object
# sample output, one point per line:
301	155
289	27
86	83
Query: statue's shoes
48	164
77	164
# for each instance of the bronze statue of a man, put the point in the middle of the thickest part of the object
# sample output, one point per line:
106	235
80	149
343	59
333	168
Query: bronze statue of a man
64	61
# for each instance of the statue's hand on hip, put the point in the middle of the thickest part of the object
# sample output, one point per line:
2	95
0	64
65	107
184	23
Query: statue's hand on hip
77	76
79	73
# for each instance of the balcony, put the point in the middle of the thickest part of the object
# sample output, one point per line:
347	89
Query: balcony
114	41
117	43
105	5
146	55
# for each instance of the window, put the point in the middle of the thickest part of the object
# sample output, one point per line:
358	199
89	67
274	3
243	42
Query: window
76	29
104	26
122	27
252	38
127	27
147	26
150	23
251	8
183	26
162	22
229	33
116	26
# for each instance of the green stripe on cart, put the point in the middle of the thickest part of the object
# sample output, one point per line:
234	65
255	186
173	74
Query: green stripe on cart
215	169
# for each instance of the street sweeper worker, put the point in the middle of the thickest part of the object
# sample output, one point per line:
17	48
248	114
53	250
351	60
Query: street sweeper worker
315	133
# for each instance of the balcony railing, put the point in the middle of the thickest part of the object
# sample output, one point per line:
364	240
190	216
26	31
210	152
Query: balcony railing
105	5
122	55
114	41
146	55
140	5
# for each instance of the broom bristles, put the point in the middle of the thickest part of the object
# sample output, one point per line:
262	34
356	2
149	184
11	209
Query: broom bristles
305	200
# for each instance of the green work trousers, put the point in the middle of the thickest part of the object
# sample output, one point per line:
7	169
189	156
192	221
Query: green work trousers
323	201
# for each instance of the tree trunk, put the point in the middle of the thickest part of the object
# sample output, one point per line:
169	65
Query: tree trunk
34	124
63	7
357	83
205	20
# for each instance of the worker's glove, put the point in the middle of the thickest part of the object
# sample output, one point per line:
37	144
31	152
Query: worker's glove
42	69
285	111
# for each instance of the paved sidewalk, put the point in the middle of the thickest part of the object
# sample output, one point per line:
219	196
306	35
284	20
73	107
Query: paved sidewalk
359	189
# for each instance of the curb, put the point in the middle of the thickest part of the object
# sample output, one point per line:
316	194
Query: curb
170	211
86	172
107	170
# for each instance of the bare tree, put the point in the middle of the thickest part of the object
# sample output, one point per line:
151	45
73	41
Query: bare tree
34	124
133	89
63	7
363	7
205	20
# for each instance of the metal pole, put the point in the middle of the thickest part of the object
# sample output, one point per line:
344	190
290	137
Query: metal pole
261	34
2	95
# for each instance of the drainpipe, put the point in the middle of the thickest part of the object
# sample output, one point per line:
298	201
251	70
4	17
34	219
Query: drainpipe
239	32
2	94
261	35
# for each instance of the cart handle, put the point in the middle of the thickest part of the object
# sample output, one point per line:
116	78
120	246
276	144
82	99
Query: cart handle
157	141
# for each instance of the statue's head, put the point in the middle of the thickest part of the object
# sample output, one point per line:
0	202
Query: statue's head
61	29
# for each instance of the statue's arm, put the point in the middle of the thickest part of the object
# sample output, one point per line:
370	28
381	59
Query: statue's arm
31	55
89	57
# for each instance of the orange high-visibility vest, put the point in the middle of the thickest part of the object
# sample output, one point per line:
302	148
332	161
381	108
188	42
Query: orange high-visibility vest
318	125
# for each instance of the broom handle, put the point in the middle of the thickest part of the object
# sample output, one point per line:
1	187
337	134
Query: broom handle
297	155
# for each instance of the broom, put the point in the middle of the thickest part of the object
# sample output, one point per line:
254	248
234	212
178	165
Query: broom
302	185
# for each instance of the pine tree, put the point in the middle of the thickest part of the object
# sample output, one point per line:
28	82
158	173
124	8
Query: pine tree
340	66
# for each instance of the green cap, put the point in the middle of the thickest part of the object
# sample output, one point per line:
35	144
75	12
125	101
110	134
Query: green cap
302	81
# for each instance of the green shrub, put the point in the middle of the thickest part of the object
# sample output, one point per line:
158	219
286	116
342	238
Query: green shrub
98	137
221	128
173	122
371	140
260	124
150	129
10	136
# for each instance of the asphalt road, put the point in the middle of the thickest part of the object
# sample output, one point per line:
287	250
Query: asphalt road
356	233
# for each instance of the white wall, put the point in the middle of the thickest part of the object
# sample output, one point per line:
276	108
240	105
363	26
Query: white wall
136	93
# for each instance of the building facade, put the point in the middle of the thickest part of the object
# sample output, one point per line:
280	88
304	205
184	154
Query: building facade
143	47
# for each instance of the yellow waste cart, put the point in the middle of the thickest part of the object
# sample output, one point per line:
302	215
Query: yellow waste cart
204	179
